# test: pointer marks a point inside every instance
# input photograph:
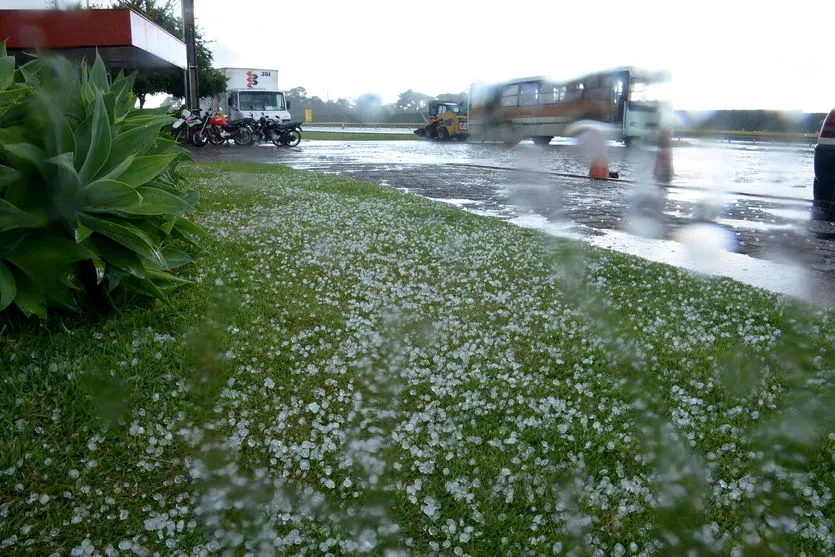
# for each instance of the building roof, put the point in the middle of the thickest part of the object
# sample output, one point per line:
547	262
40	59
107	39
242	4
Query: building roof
122	37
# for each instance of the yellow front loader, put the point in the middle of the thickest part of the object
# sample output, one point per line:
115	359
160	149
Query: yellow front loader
447	120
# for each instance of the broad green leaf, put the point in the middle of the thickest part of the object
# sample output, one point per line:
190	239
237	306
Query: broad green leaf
10	240
99	142
82	135
89	96
59	138
132	142
122	87
8	290
117	171
158	202
10	96
164	185
109	105
64	160
148	288
192	197
115	277
175	259
25	153
126	234
82	233
165	146
144	120
189	231
7	176
98	75
29	297
6	71
30	73
152	230
100	267
12	134
47	247
12	217
168	226
108	195
162	275
143	169
119	256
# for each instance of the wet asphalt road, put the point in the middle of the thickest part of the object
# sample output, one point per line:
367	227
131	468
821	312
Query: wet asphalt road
756	197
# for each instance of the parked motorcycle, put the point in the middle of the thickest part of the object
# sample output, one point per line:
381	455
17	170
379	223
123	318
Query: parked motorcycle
288	134
184	128
281	134
217	130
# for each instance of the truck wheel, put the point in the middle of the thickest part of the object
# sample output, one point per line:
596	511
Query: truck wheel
443	134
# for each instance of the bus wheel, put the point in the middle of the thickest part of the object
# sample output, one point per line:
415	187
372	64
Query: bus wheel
443	134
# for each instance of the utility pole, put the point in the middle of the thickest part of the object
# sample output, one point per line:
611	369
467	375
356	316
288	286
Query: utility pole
192	96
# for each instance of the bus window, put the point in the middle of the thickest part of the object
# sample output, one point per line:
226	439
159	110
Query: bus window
510	96
549	93
529	94
574	92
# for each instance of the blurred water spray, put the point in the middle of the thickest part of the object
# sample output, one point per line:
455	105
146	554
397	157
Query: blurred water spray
704	242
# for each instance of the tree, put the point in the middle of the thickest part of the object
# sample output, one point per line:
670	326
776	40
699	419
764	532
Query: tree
411	101
210	82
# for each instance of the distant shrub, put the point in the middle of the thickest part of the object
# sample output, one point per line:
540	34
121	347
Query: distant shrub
89	194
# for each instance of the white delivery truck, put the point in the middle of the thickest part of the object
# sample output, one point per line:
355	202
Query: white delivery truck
249	93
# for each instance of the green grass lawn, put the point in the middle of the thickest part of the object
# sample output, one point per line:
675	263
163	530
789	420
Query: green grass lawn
311	133
355	370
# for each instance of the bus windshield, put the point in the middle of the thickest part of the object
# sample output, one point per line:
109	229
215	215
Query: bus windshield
648	94
260	100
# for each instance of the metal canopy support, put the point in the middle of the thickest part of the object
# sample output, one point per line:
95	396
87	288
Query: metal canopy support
192	96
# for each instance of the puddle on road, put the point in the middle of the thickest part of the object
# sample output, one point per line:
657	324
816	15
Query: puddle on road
776	277
755	225
791	214
560	229
457	202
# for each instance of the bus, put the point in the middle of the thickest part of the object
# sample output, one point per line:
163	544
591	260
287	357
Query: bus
631	100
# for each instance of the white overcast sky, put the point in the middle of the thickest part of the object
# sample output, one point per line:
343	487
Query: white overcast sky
775	54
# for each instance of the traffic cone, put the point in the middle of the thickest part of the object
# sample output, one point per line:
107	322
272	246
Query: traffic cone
599	167
664	159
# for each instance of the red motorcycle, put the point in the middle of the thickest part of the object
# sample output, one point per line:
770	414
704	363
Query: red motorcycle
217	130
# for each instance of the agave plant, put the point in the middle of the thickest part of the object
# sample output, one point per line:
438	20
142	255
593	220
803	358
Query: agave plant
89	193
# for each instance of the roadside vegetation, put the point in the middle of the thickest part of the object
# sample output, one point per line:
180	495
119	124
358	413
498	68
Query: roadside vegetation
91	203
354	370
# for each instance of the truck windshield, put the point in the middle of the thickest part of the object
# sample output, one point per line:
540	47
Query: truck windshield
261	100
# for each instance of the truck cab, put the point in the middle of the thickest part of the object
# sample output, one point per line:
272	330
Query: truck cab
246	103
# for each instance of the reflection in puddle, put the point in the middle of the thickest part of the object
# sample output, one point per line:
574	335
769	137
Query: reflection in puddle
791	214
754	225
560	229
456	202
783	279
